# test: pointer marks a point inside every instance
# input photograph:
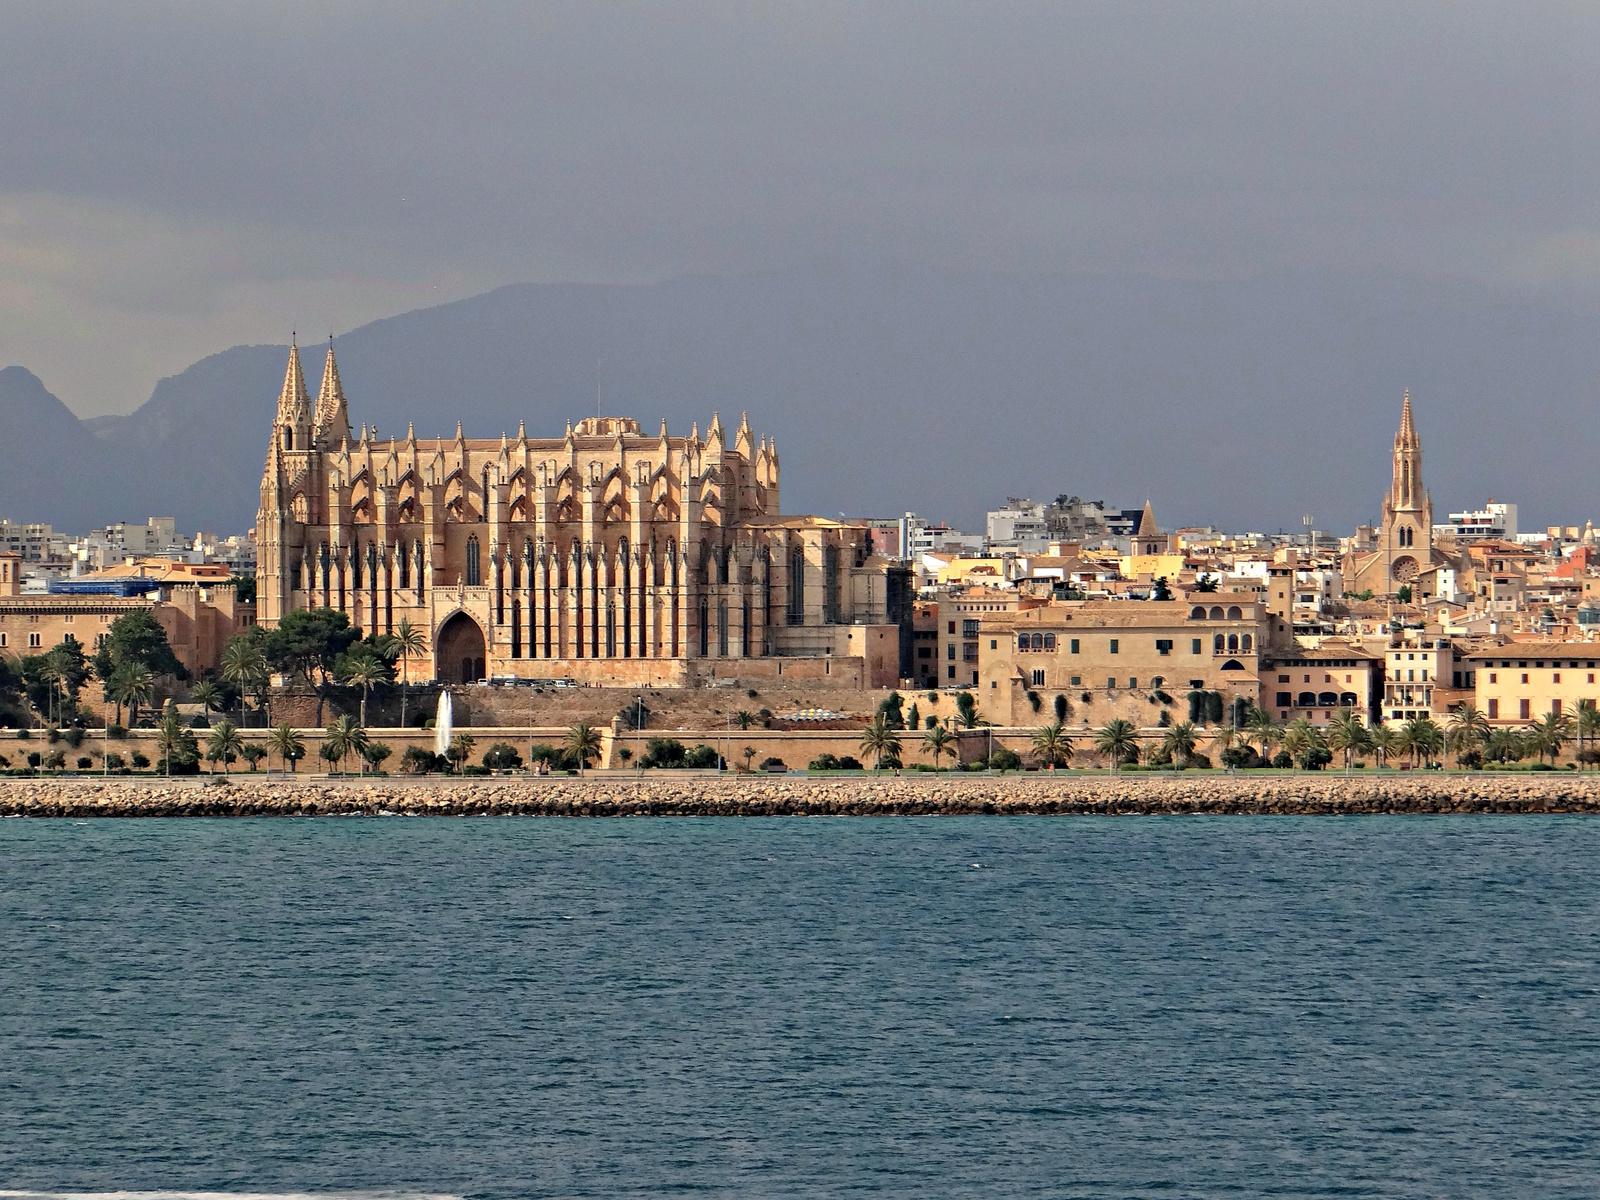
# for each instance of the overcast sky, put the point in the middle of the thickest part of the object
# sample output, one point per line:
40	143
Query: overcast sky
177	178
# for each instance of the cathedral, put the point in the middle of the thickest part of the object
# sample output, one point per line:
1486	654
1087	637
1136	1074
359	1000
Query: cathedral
1400	552
605	556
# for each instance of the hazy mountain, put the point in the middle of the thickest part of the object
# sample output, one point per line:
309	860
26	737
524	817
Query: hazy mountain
1245	403
44	454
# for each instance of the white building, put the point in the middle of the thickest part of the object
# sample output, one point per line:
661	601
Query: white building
1493	520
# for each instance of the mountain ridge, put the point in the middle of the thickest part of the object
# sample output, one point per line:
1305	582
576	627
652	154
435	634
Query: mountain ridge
890	386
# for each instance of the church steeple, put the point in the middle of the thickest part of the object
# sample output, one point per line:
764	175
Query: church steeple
1405	492
293	427
333	414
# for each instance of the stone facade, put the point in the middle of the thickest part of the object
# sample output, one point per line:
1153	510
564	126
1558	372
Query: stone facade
605	555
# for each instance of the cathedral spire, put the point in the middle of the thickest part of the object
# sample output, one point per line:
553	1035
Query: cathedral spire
293	403
333	414
1405	492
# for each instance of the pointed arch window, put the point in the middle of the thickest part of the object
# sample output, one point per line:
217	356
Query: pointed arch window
405	566
474	563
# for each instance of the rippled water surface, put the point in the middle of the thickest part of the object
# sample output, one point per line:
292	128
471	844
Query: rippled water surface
971	1006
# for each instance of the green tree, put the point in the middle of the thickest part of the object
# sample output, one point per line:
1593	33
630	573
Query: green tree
345	736
206	695
410	643
137	637
891	710
1384	742
374	754
1588	723
286	744
177	744
1117	742
224	745
1466	731
1422	739
582	744
1161	590
936	741
460	750
307	643
244	665
253	753
1262	731
1347	735
363	669
966	710
1180	743
133	685
879	738
1505	746
744	719
1548	734
1053	746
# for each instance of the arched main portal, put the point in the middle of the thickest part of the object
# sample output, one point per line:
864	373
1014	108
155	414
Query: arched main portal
458	650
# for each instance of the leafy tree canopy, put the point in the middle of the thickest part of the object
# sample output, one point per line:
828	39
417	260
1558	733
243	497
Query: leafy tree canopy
136	638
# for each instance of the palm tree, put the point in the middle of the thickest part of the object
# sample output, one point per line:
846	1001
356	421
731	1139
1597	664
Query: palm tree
1117	741
224	744
169	738
1180	742
53	670
1300	739
936	741
133	684
744	718
1550	733
1262	730
346	737
1053	746
253	753
365	670
1467	729
1384	742
1505	745
408	640
1422	739
289	748
1588	723
877	739
1347	735
205	694
245	666
583	743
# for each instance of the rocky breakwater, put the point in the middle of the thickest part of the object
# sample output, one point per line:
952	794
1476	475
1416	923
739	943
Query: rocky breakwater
683	795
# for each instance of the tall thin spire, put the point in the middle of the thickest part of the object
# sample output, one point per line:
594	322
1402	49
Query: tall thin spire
294	406
333	414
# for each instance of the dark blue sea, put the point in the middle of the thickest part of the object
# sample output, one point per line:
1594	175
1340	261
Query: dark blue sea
1173	1007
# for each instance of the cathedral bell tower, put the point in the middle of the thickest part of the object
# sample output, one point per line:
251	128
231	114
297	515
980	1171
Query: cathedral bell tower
1406	537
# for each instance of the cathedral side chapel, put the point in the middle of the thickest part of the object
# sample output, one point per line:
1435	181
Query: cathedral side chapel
607	555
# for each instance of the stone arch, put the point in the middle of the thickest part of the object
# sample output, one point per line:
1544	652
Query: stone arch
1216	612
1235	613
459	650
1197	613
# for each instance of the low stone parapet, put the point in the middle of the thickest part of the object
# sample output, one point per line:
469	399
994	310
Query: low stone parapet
662	794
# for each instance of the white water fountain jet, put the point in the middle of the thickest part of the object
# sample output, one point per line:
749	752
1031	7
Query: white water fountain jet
443	723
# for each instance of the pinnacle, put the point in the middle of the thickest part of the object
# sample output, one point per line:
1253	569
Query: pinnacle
294	387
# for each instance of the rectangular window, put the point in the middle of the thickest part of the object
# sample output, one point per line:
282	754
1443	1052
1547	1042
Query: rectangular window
969	652
950	653
1194	646
1075	681
1163	646
1113	645
2	639
993	644
1555	707
951	671
1555	677
33	639
1523	707
969	629
1524	677
1132	684
1074	645
1038	679
1494	677
1284	698
952	626
1283	679
1494	710
1112	682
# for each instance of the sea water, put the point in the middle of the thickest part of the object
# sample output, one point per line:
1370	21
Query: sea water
897	1007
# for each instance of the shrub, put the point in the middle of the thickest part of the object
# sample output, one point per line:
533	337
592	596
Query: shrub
1005	760
1282	761
114	762
24	733
850	762
543	754
1163	696
418	761
199	721
1164	718
752	693
116	732
74	737
634	715
663	752
474	771
702	758
140	762
823	762
1087	698
1202	761
773	764
502	757
52	735
34	758
85	763
56	761
1034	700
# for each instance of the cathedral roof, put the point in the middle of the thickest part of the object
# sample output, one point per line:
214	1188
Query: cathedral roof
1147	522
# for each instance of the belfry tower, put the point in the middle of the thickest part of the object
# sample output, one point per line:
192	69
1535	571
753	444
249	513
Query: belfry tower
1406	537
